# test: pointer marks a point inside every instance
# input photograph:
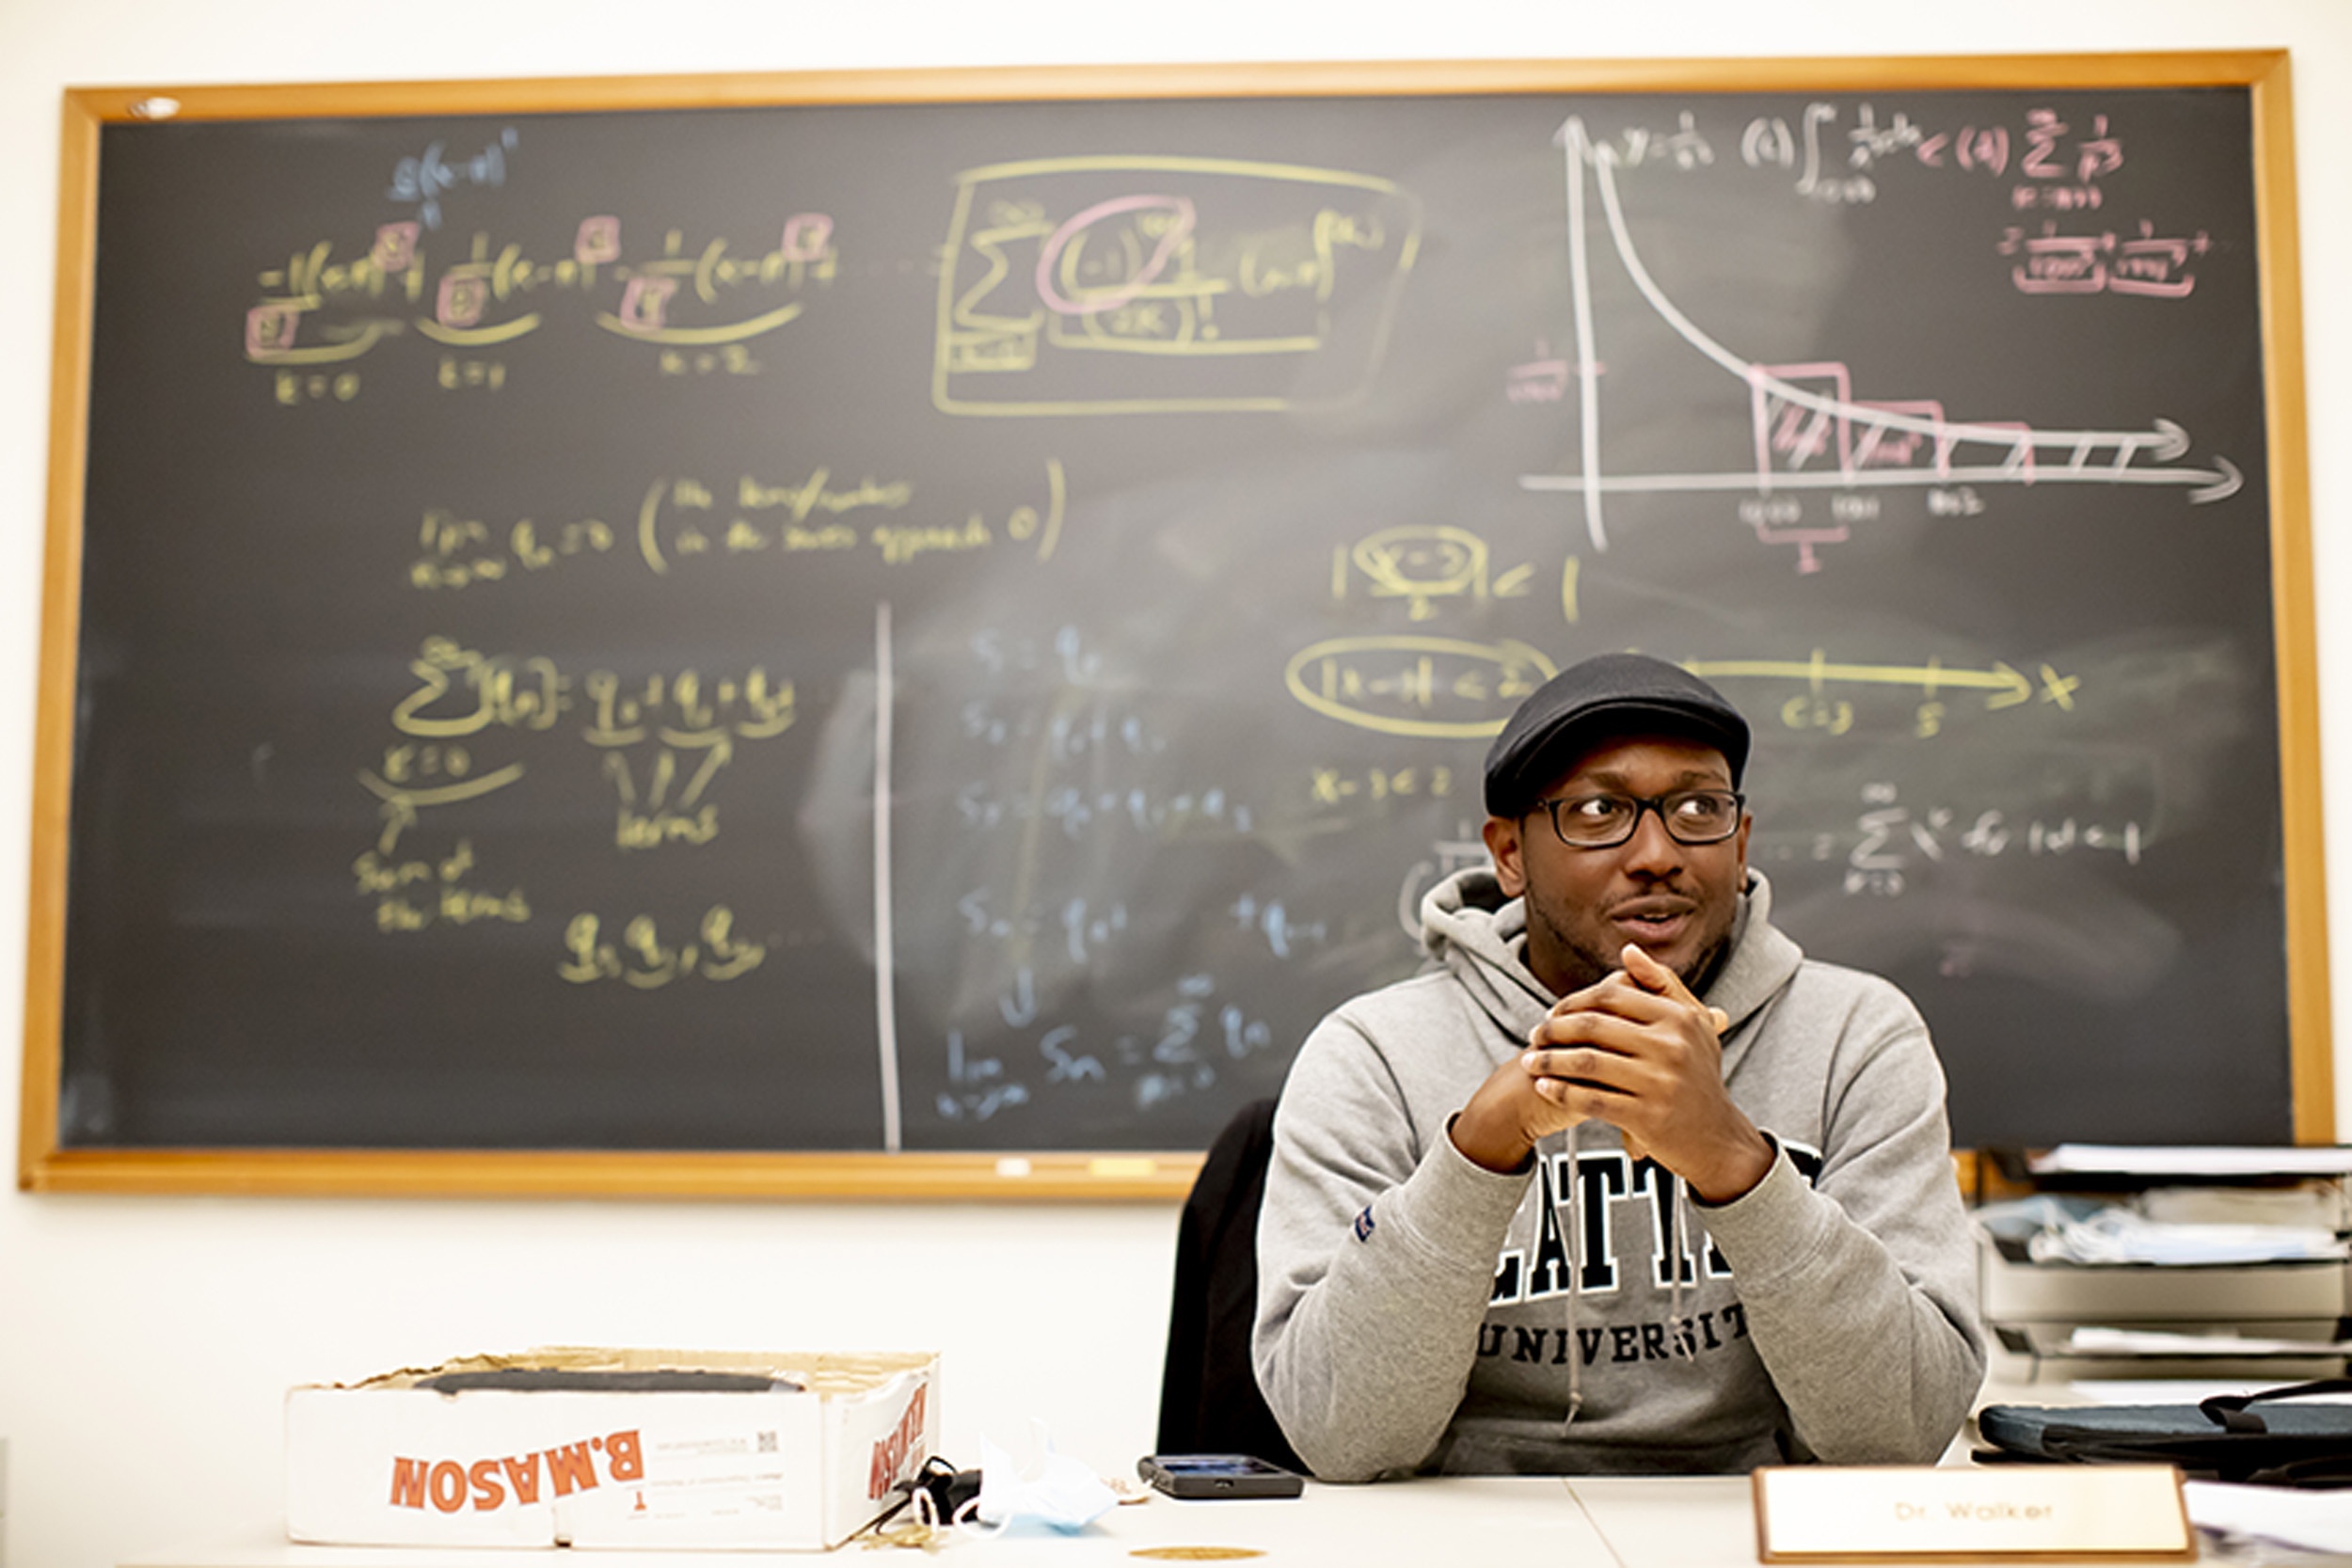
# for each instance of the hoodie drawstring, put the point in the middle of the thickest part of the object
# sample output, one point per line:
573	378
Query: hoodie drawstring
1677	1226
1576	1285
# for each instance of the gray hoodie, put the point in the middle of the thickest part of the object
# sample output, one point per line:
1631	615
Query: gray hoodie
1414	1310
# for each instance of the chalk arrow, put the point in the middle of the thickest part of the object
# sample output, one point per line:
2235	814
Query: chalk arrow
2230	483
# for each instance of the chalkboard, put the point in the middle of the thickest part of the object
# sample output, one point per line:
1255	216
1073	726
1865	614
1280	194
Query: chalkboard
913	633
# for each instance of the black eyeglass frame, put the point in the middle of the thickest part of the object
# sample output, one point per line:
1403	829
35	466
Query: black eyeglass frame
1647	803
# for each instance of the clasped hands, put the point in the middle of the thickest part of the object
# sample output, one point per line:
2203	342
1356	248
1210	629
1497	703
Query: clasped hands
1636	1050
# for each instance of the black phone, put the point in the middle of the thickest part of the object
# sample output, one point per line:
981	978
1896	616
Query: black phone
1219	1475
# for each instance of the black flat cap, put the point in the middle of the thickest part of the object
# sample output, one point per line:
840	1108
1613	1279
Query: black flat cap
1608	694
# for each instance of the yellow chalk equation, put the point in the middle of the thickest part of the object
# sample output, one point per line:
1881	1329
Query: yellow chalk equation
413	894
1448	689
1331	786
682	522
643	959
1998	686
687	725
699	303
1440	687
1109	284
1423	564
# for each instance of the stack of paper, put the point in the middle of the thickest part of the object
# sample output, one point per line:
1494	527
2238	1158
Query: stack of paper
2122	1160
2118	1235
2089	1340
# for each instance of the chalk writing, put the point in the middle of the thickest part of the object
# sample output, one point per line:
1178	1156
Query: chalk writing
1332	786
699	303
1808	427
1060	269
1436	686
1078	811
1067	734
1685	146
456	374
1893	844
663	538
1192	1042
1835	162
1080	928
1271	920
1822	706
423	179
1542	379
643	960
2148	266
293	389
979	1087
658	302
681	521
690	724
414	894
1421	563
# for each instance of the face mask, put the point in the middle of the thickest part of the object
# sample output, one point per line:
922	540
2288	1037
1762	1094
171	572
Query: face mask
1063	1496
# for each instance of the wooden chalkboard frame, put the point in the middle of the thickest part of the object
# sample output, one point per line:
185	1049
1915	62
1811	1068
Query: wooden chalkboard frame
44	1165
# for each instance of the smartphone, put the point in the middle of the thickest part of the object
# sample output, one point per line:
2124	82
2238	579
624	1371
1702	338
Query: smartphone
1219	1475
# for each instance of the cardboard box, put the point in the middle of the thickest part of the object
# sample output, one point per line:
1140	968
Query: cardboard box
801	1465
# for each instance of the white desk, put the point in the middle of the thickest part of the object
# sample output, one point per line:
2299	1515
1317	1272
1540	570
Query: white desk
1582	1522
1421	1524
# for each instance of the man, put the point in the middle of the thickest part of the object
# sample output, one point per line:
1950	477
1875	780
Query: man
1622	1182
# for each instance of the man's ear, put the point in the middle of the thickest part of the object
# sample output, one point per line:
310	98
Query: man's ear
1502	843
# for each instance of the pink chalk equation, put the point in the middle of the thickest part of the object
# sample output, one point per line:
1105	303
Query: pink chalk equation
270	331
644	304
1542	379
2046	148
461	300
1837	151
1061	252
395	249
597	242
807	237
2150	266
1971	148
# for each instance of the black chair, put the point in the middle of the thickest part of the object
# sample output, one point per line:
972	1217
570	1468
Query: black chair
1209	1397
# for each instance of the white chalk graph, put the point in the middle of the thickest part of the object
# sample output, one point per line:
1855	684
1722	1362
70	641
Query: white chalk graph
1810	430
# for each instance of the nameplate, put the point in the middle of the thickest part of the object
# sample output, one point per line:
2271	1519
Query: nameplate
1921	1513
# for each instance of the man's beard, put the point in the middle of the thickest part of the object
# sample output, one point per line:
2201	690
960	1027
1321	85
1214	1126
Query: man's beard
1587	967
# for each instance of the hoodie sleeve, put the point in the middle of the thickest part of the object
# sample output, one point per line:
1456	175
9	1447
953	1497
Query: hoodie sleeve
1376	1259
1859	1287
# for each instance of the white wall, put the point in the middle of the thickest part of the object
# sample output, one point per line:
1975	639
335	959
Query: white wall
145	1343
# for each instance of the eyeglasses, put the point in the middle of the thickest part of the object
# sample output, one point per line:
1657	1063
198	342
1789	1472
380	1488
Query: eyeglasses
1692	817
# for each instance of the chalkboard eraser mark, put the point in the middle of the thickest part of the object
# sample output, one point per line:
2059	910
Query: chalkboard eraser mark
155	108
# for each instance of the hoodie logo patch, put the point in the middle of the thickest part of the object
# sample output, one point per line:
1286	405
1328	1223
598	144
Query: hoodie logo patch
1364	1226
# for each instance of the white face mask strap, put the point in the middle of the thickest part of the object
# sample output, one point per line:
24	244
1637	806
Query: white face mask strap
969	1518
